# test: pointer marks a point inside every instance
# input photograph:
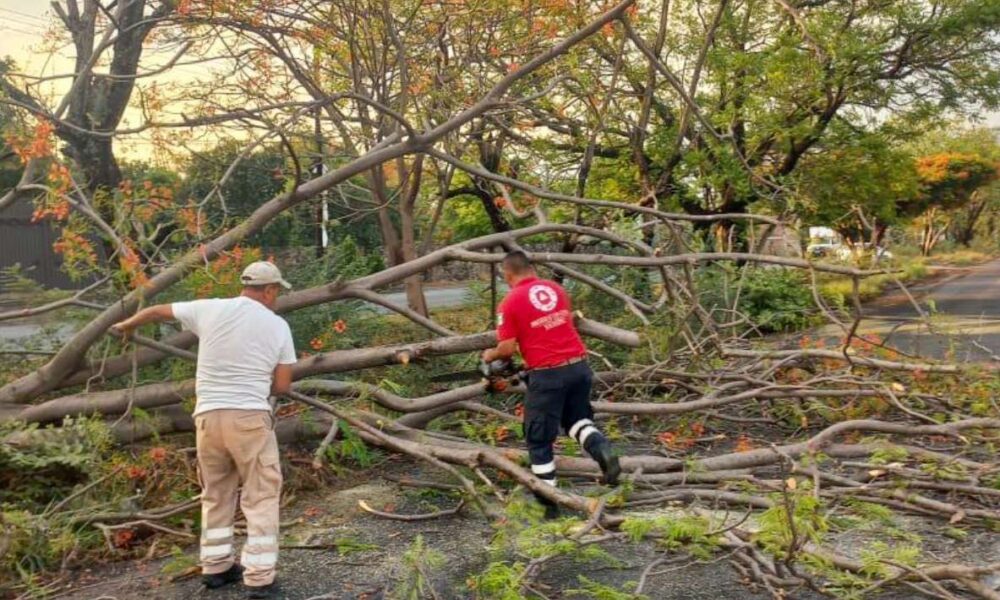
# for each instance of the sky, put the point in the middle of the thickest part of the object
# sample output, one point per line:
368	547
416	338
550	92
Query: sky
22	23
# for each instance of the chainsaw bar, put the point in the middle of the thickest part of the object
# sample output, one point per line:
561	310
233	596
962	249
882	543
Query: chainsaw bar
459	376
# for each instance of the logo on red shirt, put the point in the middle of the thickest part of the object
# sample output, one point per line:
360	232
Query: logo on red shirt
543	297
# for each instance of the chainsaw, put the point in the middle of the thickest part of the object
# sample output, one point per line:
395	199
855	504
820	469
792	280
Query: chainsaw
498	375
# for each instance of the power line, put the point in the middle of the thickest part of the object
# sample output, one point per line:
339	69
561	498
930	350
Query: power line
24	22
23	14
16	30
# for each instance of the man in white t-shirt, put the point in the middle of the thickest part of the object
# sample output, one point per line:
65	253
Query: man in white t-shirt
245	354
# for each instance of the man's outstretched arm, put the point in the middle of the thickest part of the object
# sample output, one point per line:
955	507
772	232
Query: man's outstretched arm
151	314
504	350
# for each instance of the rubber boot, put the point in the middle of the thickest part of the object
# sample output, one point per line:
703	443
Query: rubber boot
217	580
599	448
270	591
552	510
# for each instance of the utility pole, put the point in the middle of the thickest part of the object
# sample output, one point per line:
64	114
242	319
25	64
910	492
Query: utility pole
322	208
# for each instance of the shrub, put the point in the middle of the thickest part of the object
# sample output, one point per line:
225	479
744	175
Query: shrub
774	299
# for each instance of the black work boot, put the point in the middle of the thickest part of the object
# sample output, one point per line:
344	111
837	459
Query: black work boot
602	452
264	592
217	580
552	511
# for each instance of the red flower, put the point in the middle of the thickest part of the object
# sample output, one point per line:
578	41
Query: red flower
668	438
339	326
316	343
158	454
123	538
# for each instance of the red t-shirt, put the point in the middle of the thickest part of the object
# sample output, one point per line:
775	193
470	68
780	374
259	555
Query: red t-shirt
537	313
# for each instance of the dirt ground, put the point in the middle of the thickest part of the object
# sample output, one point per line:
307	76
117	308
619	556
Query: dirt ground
370	559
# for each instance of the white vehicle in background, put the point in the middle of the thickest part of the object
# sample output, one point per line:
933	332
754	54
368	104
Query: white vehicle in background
849	254
823	242
823	249
827	243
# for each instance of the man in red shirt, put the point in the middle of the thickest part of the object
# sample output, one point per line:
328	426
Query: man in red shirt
535	318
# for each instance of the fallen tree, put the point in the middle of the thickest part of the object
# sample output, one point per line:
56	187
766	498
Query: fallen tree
714	415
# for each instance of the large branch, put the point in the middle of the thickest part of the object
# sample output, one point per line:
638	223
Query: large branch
361	288
32	173
593	203
839	356
336	361
677	259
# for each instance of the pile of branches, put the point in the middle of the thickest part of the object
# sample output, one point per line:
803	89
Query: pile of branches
718	376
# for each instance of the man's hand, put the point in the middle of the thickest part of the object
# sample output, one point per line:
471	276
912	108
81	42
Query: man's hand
489	355
124	328
153	314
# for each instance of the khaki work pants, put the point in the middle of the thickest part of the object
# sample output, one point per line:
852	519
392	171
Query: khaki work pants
239	447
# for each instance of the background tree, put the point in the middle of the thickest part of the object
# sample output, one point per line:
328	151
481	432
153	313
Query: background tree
856	187
948	181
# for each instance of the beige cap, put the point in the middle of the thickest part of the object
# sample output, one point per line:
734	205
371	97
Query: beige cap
263	273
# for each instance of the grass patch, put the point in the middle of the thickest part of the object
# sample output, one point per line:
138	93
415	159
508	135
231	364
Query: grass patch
838	290
959	258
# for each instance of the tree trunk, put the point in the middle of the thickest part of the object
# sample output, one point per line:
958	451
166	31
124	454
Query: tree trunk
414	283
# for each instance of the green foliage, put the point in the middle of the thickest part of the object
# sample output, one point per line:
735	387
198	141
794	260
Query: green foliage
52	462
774	299
870	511
39	469
498	581
874	557
463	218
524	534
420	563
351	448
888	454
179	562
867	173
346	546
255	178
776	533
599	591
344	261
689	533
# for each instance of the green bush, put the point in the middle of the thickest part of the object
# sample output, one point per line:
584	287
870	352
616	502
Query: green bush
38	472
774	299
312	327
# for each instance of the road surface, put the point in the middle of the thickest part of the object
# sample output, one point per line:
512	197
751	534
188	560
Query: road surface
443	297
964	322
15	331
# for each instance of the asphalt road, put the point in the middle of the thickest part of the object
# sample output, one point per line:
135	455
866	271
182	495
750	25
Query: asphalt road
964	322
12	333
443	297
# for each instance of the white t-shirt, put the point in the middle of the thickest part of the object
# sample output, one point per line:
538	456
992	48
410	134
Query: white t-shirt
240	342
